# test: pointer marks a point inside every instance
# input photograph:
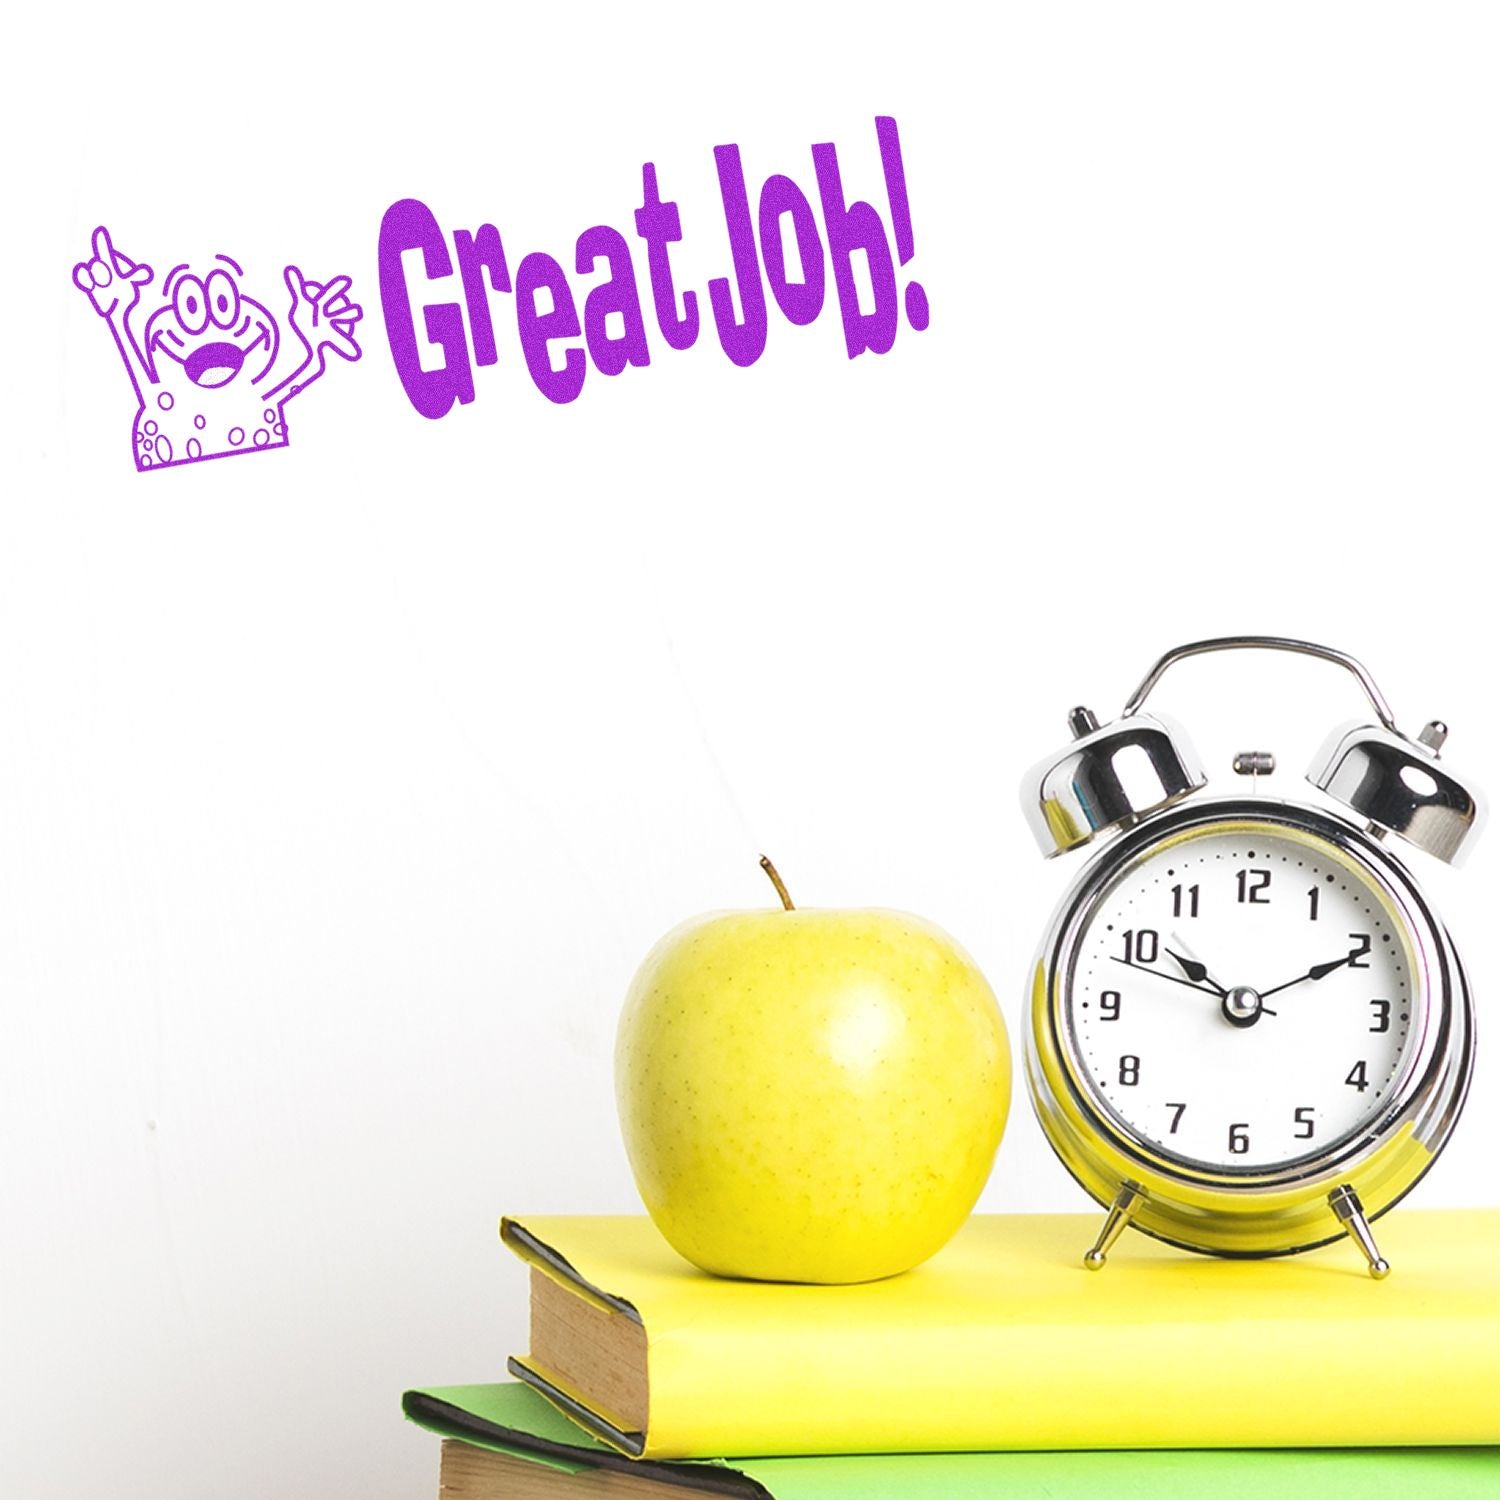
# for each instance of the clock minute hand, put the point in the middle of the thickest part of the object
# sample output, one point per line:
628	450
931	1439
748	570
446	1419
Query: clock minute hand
1318	971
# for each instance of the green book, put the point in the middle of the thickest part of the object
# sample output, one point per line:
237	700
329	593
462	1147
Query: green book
506	1442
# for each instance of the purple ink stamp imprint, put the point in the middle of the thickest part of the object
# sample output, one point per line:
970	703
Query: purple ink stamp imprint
211	369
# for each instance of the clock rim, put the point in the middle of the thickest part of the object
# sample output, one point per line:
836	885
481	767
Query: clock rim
1373	1124
1255	1211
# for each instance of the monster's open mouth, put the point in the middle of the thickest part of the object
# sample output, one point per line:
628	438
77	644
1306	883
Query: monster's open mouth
214	364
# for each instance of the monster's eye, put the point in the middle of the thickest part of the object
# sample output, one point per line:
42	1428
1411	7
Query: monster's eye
191	303
223	299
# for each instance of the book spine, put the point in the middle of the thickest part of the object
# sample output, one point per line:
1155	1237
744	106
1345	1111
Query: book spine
1292	1383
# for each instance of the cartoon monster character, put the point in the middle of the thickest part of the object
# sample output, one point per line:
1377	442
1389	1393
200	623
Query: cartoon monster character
212	371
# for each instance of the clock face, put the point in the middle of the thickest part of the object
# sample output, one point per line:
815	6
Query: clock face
1243	995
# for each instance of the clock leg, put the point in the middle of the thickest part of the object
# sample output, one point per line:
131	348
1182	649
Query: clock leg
1119	1215
1344	1201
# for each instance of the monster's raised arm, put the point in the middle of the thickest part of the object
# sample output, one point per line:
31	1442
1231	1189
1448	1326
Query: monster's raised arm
323	318
113	283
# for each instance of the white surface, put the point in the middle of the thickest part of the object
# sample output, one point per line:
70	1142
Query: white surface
341	789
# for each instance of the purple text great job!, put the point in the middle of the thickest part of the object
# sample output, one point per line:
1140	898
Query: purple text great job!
759	260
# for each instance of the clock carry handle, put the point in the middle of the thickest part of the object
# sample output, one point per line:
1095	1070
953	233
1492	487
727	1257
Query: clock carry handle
1115	774
1397	785
1264	643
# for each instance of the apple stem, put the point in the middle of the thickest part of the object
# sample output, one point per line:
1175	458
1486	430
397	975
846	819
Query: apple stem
770	870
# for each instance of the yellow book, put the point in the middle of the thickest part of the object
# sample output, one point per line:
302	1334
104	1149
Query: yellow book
1004	1341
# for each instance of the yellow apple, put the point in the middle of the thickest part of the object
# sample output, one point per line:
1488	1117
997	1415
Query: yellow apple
810	1095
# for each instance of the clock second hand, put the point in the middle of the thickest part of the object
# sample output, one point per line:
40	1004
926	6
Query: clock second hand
1216	991
1162	974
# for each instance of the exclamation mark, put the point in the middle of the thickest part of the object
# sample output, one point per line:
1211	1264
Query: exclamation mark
895	186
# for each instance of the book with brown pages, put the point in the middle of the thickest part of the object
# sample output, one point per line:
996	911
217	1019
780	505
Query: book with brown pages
1003	1340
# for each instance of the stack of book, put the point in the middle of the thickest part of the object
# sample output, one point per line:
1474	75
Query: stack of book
1000	1367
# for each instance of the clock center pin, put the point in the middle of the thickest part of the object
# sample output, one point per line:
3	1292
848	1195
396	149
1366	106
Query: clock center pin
1241	1006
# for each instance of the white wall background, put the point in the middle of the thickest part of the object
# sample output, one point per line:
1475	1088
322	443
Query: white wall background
341	789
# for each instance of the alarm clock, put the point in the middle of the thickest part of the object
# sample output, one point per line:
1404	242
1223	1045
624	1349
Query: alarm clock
1250	1033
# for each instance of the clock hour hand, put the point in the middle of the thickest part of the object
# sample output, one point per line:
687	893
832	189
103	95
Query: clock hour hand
1197	972
1318	971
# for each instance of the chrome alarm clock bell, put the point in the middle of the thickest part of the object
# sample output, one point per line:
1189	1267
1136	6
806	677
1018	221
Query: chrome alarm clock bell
1249	1032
